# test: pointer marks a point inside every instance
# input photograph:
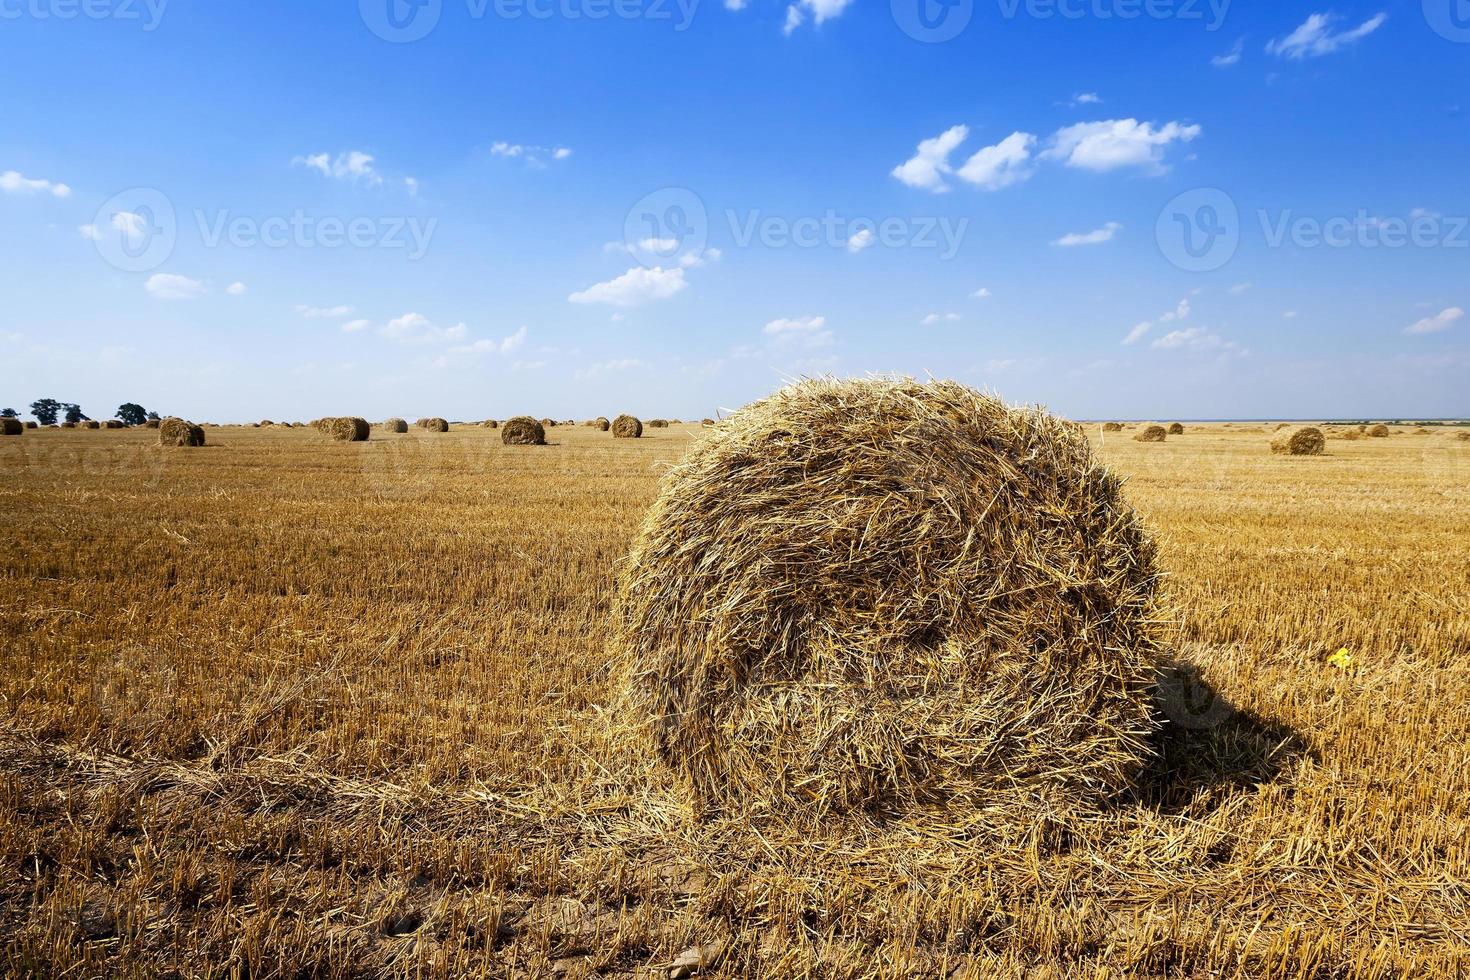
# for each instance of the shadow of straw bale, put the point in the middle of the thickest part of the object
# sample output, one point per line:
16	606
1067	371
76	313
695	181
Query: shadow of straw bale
1209	746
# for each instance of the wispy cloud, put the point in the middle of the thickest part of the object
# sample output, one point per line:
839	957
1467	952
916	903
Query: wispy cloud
353	166
634	287
1315	37
1434	324
166	285
1231	57
1095	237
534	156
415	328
14	182
323	312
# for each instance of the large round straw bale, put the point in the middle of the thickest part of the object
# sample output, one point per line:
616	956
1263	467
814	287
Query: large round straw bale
1112	427
1306	441
179	432
883	593
626	427
490	424
434	424
658	423
347	428
601	424
32	424
523	431
1154	433
152	423
395	425
11	427
1379	431
1176	428
91	424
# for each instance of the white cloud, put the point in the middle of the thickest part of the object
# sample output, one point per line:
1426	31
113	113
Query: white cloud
415	328
323	312
693	260
607	367
982	293
14	182
237	289
412	183
1001	165
1314	38
927	167
1086	98
799	331
1231	57
1289	315
1434	324
1194	338
90	232
821	11
1136	334
1095	237
637	285
535	156
1115	143
860	240
166	285
506	345
514	342
1178	313
354	166
793	19
356	326
1239	288
934	318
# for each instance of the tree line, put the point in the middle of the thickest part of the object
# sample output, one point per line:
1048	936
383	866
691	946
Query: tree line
48	410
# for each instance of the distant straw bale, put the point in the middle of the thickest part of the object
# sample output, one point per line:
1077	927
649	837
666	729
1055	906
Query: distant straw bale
179	432
1379	431
395	425
433	424
11	427
626	427
1154	433
523	431
1306	441
1176	428
1112	427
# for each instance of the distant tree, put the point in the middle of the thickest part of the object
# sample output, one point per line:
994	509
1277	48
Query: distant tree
9	413
45	410
73	413
132	413
154	417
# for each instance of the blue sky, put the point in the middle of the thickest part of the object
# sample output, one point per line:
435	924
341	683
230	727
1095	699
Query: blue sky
571	207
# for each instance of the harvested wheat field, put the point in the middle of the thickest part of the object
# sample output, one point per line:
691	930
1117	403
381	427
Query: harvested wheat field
289	706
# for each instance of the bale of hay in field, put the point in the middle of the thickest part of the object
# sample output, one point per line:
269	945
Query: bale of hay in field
1306	441
395	425
1463	436
884	594
548	423
658	423
1379	431
114	424
706	421
626	427
179	432
1419	430
91	424
601	424
266	422
1112	427
490	424
433	424
11	427
33	425
348	428
523	431
1176	428
1280	425
1153	433
68	425
152	423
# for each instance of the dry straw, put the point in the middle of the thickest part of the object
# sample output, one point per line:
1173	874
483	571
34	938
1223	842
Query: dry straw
433	424
1112	427
152	423
1153	433
490	424
179	432
658	423
347	428
11	427
601	424
32	425
1176	428
548	423
1378	431
523	431
395	425
626	427
91	424
1306	441
884	594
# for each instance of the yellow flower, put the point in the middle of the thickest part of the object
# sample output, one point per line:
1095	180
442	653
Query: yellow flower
1341	659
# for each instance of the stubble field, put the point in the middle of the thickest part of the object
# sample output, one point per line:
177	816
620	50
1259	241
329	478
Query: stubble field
284	707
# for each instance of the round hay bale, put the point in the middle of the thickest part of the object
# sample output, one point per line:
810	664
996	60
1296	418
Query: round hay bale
91	424
1379	431
11	427
1281	425
626	427
395	425
1176	428
152	423
68	425
523	431
33	425
658	423
266	422
601	424
1112	427
179	432
879	594
1153	433
348	428
707	422
433	424
1306	441
548	423
490	424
